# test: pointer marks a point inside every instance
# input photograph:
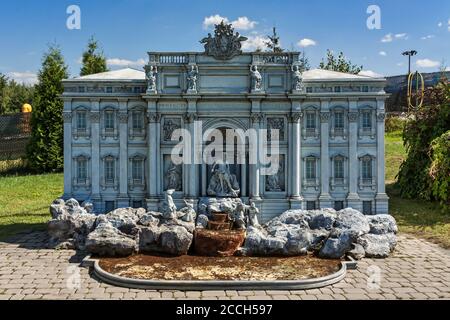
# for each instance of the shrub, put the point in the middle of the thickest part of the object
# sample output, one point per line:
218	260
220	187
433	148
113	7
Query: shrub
395	123
427	124
440	169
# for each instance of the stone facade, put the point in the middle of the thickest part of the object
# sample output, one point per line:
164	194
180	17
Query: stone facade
117	129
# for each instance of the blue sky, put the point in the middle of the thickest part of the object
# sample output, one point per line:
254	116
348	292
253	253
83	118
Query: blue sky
127	29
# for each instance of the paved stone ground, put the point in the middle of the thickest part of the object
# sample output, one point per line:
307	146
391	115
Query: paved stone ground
417	270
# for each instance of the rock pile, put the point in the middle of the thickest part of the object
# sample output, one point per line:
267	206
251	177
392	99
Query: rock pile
122	232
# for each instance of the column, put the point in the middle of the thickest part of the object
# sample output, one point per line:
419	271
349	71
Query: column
244	176
152	201
95	153
353	199
191	167
67	116
256	118
296	152
123	199
381	200
325	198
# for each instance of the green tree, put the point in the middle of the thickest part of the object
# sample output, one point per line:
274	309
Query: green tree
339	64
94	60
45	150
273	44
304	63
3	88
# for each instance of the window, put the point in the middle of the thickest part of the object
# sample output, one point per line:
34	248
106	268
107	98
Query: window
338	205
137	121
310	121
109	89
367	207
338	169
81	171
137	90
81	89
339	121
81	121
109	206
109	120
367	169
365	89
337	89
137	169
310	205
367	120
110	174
310	169
309	90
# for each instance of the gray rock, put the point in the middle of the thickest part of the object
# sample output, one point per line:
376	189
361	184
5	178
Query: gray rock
149	238
88	206
57	208
378	245
189	226
148	219
323	220
175	240
352	222
202	221
300	217
382	224
106	240
124	219
357	252
298	243
337	247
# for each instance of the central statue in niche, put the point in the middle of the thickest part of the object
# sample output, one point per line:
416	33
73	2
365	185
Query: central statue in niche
223	183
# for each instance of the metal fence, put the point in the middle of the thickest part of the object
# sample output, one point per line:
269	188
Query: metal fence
15	132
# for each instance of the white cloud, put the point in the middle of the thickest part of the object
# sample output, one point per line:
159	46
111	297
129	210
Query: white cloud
400	64
306	43
427	63
242	23
449	25
125	63
370	73
387	38
430	36
391	37
26	77
254	42
382	53
440	24
213	20
401	36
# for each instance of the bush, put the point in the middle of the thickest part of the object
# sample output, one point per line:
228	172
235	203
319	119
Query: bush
395	123
440	169
427	124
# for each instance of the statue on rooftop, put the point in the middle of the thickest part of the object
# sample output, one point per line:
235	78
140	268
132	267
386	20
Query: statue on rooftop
297	78
150	75
256	79
192	78
225	44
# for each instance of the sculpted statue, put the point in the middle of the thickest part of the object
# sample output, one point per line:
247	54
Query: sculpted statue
273	181
253	213
150	74
169	127
223	183
297	78
256	79
192	78
188	213
173	178
238	217
168	208
225	44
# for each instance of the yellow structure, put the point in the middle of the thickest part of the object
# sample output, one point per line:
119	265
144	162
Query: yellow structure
26	108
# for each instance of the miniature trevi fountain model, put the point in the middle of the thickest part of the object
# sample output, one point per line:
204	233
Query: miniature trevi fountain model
222	219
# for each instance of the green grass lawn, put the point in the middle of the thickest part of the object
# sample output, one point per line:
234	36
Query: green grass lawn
418	217
25	200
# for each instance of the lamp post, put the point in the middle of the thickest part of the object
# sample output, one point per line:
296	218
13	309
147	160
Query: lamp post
409	54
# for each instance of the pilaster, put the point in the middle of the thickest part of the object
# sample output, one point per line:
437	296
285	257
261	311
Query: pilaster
67	116
123	199
325	198
353	199
95	153
381	199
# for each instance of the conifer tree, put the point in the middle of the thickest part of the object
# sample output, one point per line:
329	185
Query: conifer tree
93	60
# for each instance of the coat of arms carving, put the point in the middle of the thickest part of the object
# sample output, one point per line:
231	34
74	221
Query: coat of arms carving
225	44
